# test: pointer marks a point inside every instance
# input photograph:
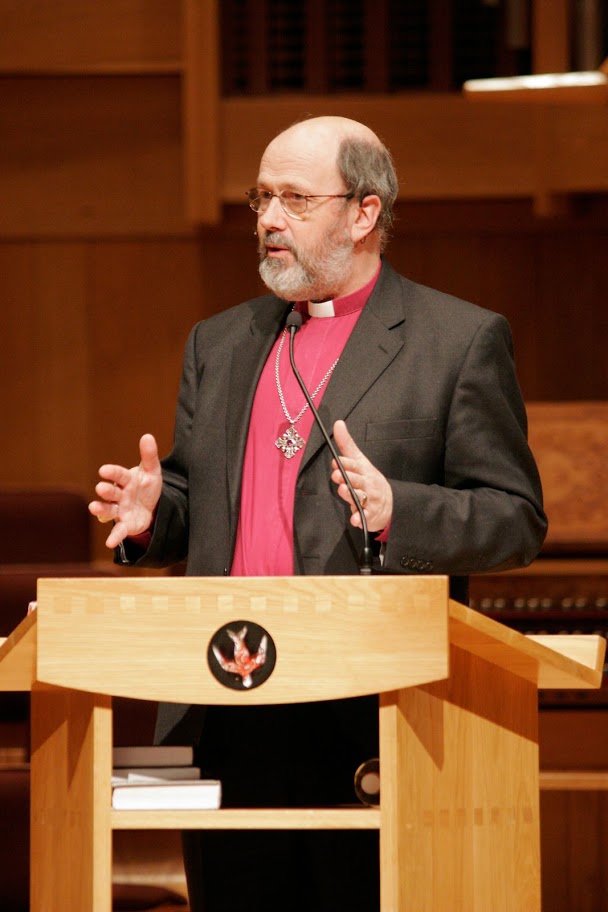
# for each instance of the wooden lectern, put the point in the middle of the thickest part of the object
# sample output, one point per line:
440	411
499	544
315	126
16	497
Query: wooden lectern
459	814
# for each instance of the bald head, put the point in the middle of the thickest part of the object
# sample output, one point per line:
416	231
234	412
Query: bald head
328	130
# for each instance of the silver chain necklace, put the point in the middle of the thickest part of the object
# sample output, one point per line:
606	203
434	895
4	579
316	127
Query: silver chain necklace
290	442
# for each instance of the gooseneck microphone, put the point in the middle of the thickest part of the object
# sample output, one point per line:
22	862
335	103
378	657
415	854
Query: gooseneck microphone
293	323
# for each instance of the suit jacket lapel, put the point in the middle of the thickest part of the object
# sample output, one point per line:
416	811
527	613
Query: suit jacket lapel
248	358
370	349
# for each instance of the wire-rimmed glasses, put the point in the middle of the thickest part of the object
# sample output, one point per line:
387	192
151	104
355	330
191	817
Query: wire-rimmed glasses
293	203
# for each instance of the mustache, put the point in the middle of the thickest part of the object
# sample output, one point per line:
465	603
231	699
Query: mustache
276	239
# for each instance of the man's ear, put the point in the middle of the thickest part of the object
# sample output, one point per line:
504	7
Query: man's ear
368	213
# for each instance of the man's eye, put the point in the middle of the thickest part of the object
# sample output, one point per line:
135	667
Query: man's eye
293	197
265	194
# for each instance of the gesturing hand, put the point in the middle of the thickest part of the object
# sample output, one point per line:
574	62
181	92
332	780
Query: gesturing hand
129	496
372	488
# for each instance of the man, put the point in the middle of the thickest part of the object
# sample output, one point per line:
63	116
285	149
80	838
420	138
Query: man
421	393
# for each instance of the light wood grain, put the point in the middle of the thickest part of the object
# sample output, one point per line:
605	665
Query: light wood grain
459	824
70	801
18	657
584	649
460	761
546	661
155	624
251	819
362	635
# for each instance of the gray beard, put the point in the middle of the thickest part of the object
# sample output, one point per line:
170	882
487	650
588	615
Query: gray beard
312	277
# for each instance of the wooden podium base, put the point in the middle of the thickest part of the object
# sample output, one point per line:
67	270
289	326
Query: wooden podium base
71	769
459	817
460	798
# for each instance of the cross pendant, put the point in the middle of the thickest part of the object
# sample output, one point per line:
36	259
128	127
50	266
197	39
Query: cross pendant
290	442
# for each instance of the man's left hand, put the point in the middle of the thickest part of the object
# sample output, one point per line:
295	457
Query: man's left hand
372	488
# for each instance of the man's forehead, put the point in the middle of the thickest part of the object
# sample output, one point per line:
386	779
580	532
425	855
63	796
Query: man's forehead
299	158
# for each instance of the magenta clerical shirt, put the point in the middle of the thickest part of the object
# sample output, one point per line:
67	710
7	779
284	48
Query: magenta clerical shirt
264	543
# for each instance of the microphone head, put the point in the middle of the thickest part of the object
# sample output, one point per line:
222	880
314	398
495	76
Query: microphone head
294	319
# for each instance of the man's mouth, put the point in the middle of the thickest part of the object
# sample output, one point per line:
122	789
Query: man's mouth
274	248
275	251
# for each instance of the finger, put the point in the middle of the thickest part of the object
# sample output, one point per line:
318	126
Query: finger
99	510
347	446
349	465
356	479
363	500
110	493
148	451
103	511
115	474
355	519
119	533
344	493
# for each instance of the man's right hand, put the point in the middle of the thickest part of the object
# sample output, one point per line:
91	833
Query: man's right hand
129	496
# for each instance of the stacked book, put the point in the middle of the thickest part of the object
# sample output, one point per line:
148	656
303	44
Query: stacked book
161	778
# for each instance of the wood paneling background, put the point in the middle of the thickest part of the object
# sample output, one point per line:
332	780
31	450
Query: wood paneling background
102	274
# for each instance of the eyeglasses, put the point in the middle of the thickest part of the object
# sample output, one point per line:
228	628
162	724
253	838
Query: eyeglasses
293	203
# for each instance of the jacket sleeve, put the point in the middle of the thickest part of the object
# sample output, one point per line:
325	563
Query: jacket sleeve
487	514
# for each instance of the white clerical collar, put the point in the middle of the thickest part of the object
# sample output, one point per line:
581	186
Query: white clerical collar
321	308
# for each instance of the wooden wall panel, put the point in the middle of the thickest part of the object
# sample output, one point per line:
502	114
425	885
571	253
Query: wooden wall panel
578	148
78	34
143	299
62	359
200	103
550	286
551	27
573	851
444	147
230	266
84	156
571	282
18	388
93	337
44	396
574	825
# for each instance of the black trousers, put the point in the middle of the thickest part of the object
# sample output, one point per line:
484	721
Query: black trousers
301	755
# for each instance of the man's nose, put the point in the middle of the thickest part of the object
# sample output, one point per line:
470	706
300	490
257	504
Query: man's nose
273	216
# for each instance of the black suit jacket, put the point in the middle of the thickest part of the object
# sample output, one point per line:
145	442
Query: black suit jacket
427	386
